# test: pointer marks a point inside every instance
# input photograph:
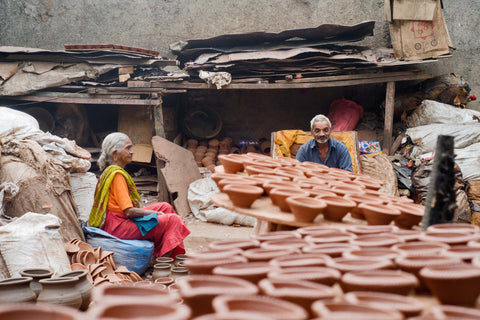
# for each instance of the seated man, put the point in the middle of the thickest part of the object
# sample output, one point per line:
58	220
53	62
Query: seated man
322	148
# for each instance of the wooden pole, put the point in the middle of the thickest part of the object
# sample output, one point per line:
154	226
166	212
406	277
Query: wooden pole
388	126
440	204
163	194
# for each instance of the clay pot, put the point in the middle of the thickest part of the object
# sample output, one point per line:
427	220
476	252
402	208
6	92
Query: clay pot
198	291
234	244
138	309
206	266
243	195
219	176
83	285
454	227
215	254
165	281
16	290
411	215
28	311
454	312
295	244
60	291
36	274
408	306
268	186
264	305
463	252
276	235
450	238
255	169
379	214
376	240
365	230
262	254
337	207
250	271
289	172
368	182
359	198
232	163
342	191
408	235
279	196
457	284
178	272
234	180
321	275
305	209
125	292
300	260
346	265
421	248
164	260
330	237
389	281
318	230
372	253
345	310
318	193
161	270
334	250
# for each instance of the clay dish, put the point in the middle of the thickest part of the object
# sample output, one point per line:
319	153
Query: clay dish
408	235
305	209
267	162
244	244
205	266
359	198
77	266
376	240
289	172
300	292
71	247
345	310
369	183
408	306
268	186
219	176
379	214
337	207
330	237
316	193
198	291
346	265
364	230
254	169
455	312
345	190
88	258
463	252
331	249
215	254
286	161
164	280
411	215
295	244
259	305
321	275
317	230
419	248
262	254
83	246
454	227
279	196
389	281
457	284
276	235
372	253
232	163
451	238
312	165
243	195
238	180
272	177
301	260
250	271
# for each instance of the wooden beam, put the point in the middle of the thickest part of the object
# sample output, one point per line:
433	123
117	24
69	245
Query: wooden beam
140	102
353	76
388	126
163	194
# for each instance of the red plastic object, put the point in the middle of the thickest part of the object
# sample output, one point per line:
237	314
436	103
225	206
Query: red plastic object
344	114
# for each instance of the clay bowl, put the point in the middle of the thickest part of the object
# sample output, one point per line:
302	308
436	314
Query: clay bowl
408	235
244	244
330	237
262	254
268	186
317	230
450	238
379	214
277	235
250	271
454	227
376	240
456	284
243	195
232	163
411	215
371	253
237	180
337	207
333	250
347	265
272	177
198	291
259	305
346	310
289	172
300	292
254	169
369	183
305	209
164	280
463	252
321	275
342	191
364	230
215	254
205	266
300	260
408	306
279	196
104	294
420	248
359	198
287	162
316	192
295	244
389	281
454	312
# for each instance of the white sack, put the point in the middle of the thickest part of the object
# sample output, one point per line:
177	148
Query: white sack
33	241
18	121
468	159
430	112
83	189
200	200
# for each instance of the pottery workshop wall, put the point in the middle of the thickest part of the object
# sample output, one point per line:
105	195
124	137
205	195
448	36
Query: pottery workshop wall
155	24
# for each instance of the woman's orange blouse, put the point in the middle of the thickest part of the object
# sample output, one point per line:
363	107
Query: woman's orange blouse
119	198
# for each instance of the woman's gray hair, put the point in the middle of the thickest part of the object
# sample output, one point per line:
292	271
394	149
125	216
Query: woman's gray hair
318	118
113	142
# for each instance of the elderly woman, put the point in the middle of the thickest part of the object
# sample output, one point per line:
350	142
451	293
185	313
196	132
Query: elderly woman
116	206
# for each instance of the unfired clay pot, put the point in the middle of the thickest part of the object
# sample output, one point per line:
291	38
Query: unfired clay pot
389	281
36	274
83	285
305	209
60	291
16	290
243	195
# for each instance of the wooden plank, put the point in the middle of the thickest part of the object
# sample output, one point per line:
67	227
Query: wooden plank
136	123
388	126
139	84
137	102
180	171
351	77
163	194
125	70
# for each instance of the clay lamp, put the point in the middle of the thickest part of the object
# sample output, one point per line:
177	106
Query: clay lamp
268	186
243	195
408	306
250	271
219	176
408	235
300	292
205	266
295	244
305	209
243	244
277	235
453	284
262	254
279	196
215	253
337	207
240	180
289	172
346	310
379	214
411	215
371	253
321	173
464	252
345	190
258	156
369	183
389	281
376	240
321	275
272	177
346	264
454	227
451	238
312	165
319	229
254	169
359	198
259	305
287	162
454	312
232	163
319	192
330	237
421	248
332	249
336	183
338	177
301	260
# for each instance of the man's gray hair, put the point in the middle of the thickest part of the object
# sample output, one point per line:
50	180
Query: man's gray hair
113	142
318	118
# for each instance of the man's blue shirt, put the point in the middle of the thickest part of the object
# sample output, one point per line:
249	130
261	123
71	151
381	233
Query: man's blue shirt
337	155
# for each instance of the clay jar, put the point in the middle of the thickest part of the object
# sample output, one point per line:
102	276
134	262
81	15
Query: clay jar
457	284
83	285
337	207
60	291
36	274
28	311
205	266
279	196
378	214
232	163
15	290
265	305
243	195
250	271
411	215
389	281
161	270
345	310
321	275
305	209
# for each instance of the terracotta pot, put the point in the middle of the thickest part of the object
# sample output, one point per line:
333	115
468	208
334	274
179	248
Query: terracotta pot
379	214
206	266
219	176
286	162
250	271
289	172
408	235
60	291
318	193
321	275
276	235
421	248
368	182
234	315
215	254
359	198
411	215
164	260
28	311
346	265
36	274
110	293
16	290
457	284
237	180
463	252
295	244
389	281
337	207
272	177
161	270
232	163
84	285
268	186
318	230
372	253
165	280
331	237
178	272
244	244
450	238
376	240
279	196
345	310
454	312
255	169
262	254
342	191
243	195
332	249
454	227
265	305
198	291
305	209
365	230
300	260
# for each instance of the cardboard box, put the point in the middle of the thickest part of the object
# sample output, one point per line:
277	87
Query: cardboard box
142	153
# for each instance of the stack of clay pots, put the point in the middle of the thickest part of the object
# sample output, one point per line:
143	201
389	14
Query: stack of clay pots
205	152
